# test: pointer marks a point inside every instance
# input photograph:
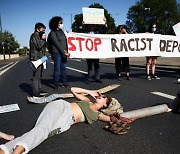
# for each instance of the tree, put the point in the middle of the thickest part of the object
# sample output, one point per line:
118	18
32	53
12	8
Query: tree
77	25
10	44
165	13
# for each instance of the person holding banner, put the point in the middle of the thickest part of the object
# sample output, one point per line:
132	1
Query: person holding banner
94	22
57	43
122	63
91	62
37	45
151	61
100	29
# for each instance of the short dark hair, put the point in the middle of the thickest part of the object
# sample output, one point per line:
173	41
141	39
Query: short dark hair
39	25
53	23
109	99
120	26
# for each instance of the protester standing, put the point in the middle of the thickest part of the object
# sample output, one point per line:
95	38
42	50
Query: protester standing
37	51
94	29
151	61
91	62
57	43
122	63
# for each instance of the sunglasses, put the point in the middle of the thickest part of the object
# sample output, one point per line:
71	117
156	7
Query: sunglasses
100	95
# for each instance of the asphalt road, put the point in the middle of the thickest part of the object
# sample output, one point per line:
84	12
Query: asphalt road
155	134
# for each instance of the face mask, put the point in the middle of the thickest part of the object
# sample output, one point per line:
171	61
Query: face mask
60	26
154	29
41	34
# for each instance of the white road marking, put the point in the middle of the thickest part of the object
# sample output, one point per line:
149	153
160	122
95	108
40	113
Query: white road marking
5	66
101	64
3	71
73	69
134	67
76	70
139	68
163	95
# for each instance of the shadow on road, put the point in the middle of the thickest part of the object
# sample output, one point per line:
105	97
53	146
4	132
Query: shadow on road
25	87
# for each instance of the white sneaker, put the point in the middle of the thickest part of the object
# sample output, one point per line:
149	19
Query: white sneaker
148	77
155	77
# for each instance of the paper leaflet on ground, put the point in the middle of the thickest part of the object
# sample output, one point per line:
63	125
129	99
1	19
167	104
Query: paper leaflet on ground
9	108
41	100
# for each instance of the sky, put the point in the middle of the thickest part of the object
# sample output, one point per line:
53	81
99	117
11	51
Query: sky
19	16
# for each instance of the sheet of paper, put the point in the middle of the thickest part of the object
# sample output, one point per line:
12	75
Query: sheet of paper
176	28
93	16
9	108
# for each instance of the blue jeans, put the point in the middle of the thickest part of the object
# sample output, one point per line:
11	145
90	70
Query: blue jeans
59	68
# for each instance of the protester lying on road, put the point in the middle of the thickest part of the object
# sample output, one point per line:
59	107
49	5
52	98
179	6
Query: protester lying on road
6	136
59	115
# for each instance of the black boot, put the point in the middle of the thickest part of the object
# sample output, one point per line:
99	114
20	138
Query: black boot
175	105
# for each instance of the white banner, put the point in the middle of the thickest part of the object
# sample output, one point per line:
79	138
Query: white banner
81	45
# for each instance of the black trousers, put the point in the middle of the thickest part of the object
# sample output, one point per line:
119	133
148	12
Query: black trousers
37	74
122	65
90	63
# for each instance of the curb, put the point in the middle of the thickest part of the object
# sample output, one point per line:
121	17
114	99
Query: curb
143	66
159	67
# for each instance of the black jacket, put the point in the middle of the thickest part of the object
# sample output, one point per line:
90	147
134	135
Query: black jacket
37	47
57	42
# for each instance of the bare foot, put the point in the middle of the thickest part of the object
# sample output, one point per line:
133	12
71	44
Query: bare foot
1	151
6	136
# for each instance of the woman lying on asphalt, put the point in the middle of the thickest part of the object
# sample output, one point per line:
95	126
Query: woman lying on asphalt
59	115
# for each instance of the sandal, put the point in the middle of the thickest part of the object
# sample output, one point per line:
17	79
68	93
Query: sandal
119	127
122	132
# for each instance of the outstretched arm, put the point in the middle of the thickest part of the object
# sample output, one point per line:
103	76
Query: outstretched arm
115	118
81	93
104	117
